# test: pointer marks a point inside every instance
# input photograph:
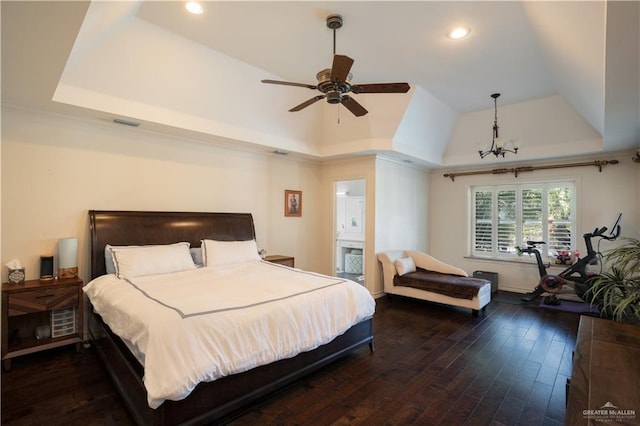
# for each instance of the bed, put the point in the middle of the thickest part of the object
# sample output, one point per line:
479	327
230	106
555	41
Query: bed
223	397
421	276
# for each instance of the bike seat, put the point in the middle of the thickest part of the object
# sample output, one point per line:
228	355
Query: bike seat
533	243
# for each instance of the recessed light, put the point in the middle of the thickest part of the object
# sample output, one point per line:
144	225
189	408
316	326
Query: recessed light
194	7
458	33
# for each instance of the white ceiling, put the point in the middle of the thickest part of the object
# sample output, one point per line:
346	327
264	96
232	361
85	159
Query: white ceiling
584	52
389	41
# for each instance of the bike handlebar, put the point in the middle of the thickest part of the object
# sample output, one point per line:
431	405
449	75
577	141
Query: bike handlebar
600	233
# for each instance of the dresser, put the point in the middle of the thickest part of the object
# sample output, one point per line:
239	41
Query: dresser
605	380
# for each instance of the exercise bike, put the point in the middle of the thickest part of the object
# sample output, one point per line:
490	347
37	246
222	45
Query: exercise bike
576	274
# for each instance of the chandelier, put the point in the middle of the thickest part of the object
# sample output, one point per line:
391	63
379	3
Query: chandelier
499	146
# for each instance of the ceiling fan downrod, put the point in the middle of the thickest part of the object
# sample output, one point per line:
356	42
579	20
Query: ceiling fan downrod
334	22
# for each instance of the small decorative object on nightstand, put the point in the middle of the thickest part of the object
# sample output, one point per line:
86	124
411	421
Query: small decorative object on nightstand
39	315
46	268
282	260
15	271
16	276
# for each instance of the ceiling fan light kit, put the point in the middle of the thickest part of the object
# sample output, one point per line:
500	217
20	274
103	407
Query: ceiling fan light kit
335	83
499	146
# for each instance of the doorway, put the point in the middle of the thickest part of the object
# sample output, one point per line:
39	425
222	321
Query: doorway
350	229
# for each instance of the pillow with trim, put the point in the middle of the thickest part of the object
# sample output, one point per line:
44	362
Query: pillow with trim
136	261
108	258
405	265
215	253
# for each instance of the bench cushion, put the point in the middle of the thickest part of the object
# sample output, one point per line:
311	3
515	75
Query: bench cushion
446	284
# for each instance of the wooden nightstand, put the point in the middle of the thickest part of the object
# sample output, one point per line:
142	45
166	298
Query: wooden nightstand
282	260
37	303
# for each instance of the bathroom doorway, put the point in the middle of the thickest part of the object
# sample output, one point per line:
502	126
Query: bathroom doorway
350	229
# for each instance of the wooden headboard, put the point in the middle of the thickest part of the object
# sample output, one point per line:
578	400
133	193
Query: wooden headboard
124	228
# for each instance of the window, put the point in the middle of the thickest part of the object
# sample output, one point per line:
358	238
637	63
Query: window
506	216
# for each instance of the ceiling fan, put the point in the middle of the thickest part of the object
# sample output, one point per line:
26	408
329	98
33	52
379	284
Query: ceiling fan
335	83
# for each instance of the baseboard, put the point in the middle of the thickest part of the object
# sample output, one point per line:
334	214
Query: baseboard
514	289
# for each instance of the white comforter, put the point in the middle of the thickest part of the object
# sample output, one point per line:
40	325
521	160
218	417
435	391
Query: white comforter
199	325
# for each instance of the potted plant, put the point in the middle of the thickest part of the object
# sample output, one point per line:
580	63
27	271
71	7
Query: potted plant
617	292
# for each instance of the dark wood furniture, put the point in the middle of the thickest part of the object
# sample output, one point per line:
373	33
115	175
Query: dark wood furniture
606	373
220	399
28	305
282	260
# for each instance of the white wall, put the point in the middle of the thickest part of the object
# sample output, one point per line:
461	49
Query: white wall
600	195
401	209
55	168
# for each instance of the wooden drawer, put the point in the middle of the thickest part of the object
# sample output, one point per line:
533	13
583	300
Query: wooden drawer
351	244
287	262
282	260
38	300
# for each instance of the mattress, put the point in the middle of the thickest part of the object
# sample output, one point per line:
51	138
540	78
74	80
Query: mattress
199	325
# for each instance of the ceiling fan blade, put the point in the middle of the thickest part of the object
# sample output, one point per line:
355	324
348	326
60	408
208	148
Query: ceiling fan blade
381	88
307	103
353	106
288	83
341	67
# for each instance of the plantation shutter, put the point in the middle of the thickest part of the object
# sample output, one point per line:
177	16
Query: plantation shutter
506	221
532	215
560	214
506	216
483	221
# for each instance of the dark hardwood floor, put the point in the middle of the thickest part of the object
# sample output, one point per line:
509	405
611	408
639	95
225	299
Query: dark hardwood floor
433	365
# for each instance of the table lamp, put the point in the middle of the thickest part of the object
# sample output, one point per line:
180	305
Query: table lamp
68	258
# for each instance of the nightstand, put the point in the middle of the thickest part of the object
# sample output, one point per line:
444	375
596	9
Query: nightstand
282	260
53	307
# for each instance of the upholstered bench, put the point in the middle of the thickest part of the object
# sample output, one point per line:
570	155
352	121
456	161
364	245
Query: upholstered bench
418	275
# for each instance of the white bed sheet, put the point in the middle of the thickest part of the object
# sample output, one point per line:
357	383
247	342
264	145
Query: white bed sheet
200	325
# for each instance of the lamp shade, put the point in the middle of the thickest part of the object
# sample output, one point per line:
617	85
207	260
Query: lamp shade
68	257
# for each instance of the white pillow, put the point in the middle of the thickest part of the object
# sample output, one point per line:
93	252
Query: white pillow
405	265
108	259
216	253
131	261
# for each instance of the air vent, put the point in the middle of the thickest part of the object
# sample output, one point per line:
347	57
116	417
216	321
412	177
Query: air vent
126	122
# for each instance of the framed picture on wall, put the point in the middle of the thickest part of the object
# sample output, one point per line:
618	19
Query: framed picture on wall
292	203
